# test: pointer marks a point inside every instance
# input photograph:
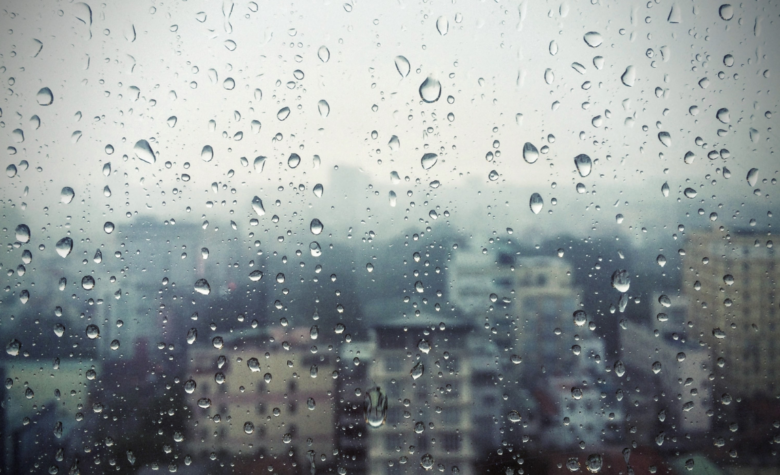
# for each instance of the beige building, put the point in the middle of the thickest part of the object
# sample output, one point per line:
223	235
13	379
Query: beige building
730	281
262	399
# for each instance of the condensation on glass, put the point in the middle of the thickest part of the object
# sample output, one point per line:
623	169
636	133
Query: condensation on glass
390	237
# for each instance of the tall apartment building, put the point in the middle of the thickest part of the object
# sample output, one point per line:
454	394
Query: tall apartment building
730	282
428	417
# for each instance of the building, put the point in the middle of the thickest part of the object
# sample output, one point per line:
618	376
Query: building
262	395
424	366
730	283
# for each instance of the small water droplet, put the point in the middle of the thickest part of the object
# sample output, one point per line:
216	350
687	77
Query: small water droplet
665	189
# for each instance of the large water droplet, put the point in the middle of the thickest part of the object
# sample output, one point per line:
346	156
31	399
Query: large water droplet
189	386
593	39
429	160
427	461
318	190
690	193
530	152
93	332
394	143
324	108
108	227
755	136
723	115
430	90
549	76
45	97
402	65
665	189
594	463
442	25
629	76
283	113
255	275
13	347
207	153
580	318
23	233
665	138
293	160
316	226
584	164
536	203
143	151
64	246
257	205
418	370
259	163
375	407
323	53
202	287
87	282
675	16
621	280
752	177
192	335
726	11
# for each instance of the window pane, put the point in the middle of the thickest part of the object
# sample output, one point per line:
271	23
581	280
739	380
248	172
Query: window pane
468	237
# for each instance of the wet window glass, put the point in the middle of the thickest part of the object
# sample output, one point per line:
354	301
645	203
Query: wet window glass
499	237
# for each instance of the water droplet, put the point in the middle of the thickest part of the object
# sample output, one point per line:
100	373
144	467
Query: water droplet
311	403
64	246
661	260
44	96
493	175
143	151
10	171
629	76
665	189
576	393
108	227
375	407
204	403
580	318
419	287
323	53
283	113
665	138
427	461
553	48
752	177
665	301
726	11
23	233
316	226
257	205
619	368
402	65
202	287
430	90
594	463
318	190
93	332
315	249
723	115
207	153
530	153
675	16
621	281
536	203
549	76
593	39
88	282
394	143
13	348
418	370
258	164
324	108
442	25
424	346
656	367
429	160
255	275
755	136
249	427
584	164
690	193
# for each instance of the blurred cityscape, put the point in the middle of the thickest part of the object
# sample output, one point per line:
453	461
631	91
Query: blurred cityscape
460	358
